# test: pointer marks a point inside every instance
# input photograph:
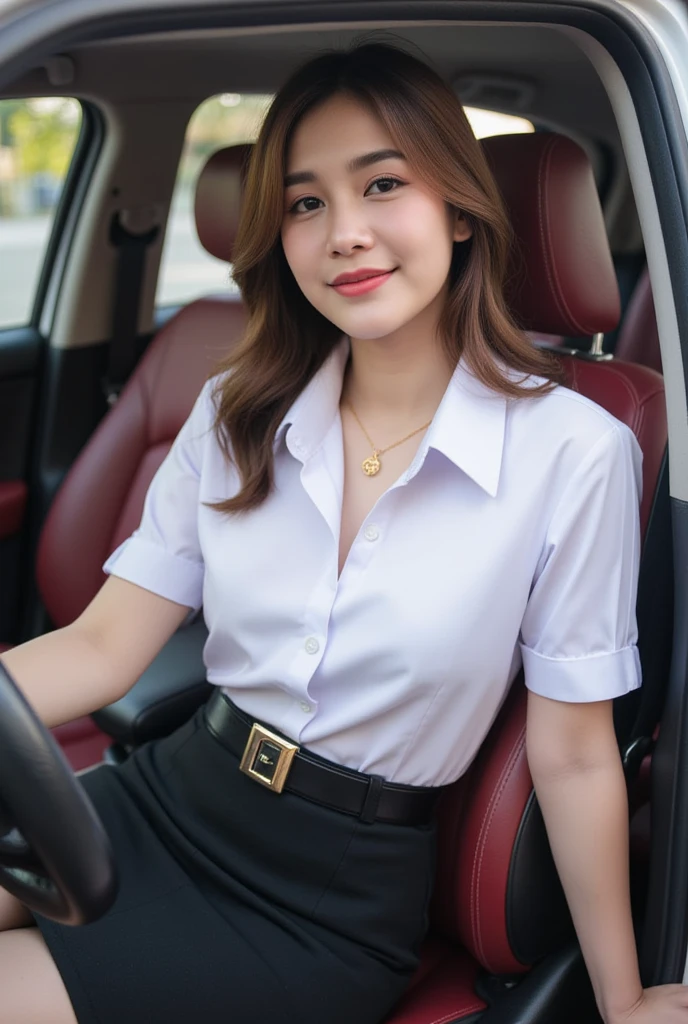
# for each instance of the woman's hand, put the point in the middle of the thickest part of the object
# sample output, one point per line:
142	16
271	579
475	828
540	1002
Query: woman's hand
663	1004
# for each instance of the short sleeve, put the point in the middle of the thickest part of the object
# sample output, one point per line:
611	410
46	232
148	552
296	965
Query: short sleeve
579	629
164	555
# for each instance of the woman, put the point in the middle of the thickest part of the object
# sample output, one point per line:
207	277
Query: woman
381	502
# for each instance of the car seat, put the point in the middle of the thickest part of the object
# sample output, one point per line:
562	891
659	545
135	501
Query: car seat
500	943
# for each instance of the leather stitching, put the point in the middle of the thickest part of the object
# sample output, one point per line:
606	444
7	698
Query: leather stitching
448	1018
557	291
482	841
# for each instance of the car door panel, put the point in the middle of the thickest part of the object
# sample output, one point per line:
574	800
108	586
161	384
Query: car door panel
19	365
13	494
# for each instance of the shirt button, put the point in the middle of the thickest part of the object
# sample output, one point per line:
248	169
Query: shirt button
312	646
306	708
371	532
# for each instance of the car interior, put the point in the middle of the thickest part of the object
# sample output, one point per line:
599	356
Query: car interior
96	384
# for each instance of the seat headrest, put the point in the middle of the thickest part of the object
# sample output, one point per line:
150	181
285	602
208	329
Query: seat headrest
562	280
218	200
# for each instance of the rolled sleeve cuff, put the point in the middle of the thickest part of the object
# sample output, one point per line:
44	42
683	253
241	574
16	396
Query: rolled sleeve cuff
581	680
153	568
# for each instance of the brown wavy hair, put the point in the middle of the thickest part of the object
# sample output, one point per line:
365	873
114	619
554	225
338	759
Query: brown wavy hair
286	339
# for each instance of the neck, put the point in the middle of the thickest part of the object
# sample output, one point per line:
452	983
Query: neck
399	379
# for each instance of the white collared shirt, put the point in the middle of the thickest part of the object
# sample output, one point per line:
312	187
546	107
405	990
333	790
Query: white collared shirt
512	538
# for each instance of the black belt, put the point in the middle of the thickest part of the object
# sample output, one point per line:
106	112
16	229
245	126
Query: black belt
277	763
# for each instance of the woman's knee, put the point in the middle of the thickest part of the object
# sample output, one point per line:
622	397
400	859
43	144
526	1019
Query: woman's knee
30	983
13	914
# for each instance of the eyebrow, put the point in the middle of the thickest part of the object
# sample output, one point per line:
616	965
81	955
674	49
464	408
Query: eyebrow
357	164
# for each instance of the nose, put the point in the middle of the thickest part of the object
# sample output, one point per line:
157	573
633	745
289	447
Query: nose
348	230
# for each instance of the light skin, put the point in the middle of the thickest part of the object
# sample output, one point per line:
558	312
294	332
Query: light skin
397	376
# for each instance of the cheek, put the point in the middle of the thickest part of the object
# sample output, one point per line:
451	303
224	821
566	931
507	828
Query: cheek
289	247
298	251
423	234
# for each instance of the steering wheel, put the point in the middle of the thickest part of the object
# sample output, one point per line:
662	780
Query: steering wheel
55	855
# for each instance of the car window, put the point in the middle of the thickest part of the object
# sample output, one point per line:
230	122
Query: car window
491	122
187	270
38	137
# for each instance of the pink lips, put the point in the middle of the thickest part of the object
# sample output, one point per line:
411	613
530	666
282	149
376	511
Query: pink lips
361	281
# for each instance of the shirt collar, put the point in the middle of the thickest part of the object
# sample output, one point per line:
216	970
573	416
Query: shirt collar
310	417
468	427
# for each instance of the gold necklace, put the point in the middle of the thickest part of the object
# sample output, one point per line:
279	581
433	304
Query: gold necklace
371	466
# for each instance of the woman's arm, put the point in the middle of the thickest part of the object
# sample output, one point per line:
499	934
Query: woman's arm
98	658
576	768
578	777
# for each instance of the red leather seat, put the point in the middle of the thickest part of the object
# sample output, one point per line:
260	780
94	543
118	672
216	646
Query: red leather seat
638	340
101	499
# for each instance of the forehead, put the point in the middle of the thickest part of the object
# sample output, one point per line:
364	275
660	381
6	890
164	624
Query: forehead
338	129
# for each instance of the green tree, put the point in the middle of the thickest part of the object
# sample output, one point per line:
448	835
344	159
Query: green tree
44	134
7	109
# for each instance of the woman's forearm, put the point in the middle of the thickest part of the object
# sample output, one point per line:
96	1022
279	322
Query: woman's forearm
62	674
98	658
586	814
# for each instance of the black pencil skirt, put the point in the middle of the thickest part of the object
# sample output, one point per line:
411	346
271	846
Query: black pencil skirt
239	905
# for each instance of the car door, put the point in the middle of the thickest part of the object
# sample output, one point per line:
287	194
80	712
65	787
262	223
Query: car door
44	146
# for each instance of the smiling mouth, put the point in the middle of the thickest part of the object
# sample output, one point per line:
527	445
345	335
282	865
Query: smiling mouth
365	275
363	283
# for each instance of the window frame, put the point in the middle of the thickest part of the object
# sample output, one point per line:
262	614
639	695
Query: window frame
84	154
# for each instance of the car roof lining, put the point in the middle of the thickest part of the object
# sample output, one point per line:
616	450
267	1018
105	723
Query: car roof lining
565	90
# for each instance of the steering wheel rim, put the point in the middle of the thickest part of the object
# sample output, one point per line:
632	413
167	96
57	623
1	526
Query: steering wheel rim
55	855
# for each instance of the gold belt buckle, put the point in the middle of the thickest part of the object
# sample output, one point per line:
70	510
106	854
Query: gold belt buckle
267	758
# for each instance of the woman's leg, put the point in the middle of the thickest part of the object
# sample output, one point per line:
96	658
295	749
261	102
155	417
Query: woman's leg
13	914
31	989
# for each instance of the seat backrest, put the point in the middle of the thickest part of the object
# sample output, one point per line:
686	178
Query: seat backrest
497	891
638	340
101	500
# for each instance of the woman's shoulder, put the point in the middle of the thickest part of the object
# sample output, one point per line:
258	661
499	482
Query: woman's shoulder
204	411
564	402
571	425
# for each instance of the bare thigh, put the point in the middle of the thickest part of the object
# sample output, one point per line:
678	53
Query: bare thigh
13	914
31	989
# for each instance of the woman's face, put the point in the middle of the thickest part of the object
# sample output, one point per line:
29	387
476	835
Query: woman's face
354	207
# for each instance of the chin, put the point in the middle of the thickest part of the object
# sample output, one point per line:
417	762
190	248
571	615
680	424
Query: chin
370	327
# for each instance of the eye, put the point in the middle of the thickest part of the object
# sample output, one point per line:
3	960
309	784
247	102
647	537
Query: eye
384	185
305	205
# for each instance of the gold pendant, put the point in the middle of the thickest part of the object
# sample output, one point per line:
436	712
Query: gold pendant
371	465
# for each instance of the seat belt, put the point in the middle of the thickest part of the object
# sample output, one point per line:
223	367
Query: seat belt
131	249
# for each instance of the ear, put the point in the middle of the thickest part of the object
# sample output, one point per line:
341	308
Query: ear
462	228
